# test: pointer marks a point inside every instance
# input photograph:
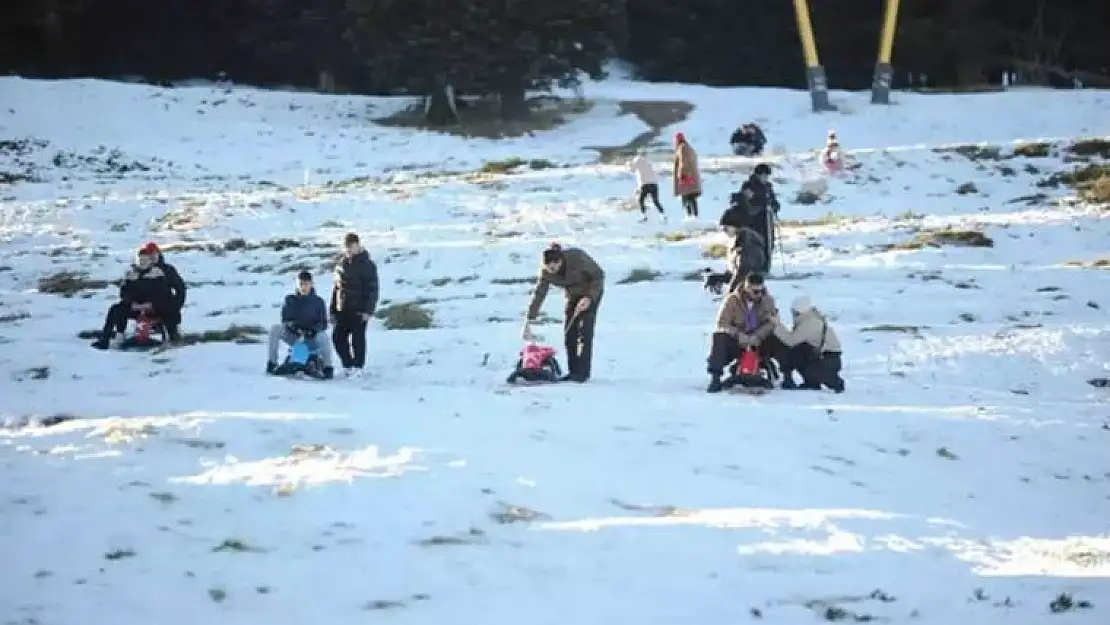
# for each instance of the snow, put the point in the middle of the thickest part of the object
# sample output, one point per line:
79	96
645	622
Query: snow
963	477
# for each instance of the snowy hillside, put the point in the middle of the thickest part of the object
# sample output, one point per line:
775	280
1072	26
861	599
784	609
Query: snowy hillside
962	478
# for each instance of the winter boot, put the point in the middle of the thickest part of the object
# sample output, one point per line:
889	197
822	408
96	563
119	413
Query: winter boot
837	384
102	343
329	373
715	385
271	367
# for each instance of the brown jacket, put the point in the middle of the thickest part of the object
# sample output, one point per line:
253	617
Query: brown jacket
731	318
686	164
580	275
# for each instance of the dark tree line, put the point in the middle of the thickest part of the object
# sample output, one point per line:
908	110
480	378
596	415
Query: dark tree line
504	47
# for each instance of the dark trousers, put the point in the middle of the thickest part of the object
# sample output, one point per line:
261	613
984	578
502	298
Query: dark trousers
579	331
724	350
690	205
817	370
349	339
115	322
651	190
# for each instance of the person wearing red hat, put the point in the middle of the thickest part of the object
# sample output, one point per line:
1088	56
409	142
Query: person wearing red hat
150	285
686	177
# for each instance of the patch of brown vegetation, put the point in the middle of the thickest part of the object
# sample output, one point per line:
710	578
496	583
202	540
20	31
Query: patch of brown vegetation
942	238
481	118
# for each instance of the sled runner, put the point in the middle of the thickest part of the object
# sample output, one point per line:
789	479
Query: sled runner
537	365
149	333
302	358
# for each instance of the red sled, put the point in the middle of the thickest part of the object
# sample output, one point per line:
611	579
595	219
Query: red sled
749	372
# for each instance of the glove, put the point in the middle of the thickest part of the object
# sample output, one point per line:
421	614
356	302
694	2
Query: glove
714	283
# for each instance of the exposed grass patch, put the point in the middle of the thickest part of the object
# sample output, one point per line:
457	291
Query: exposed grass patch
974	152
480	118
942	238
1095	146
1098	263
503	166
1031	149
14	317
674	237
967	188
828	219
1097	192
413	315
640	275
1090	173
70	283
715	250
897	329
514	281
239	334
806	198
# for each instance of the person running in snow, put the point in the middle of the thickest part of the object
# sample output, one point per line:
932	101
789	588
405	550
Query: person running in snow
686	178
811	348
584	282
354	299
648	183
757	207
745	320
149	286
303	314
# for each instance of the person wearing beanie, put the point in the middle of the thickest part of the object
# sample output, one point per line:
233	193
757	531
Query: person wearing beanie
746	319
146	289
354	299
812	348
303	314
583	280
761	208
685	177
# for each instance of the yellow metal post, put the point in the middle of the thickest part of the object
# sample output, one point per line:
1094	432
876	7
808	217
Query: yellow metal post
884	71
815	74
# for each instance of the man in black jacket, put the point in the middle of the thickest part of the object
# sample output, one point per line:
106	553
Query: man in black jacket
354	298
147	287
757	207
171	319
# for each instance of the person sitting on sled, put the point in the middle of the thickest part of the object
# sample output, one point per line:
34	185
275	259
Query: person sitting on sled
748	140
149	288
811	348
304	314
746	320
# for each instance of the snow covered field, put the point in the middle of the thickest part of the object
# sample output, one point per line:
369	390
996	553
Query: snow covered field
962	478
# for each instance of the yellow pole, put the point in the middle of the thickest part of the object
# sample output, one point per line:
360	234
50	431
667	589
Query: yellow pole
890	23
805	30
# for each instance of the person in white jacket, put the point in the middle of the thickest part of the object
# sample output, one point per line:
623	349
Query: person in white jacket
648	183
812	348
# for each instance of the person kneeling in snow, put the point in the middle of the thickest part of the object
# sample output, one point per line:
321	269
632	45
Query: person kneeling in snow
147	288
810	348
746	319
304	314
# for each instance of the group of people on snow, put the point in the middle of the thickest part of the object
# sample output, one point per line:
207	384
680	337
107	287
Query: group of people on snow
685	179
748	140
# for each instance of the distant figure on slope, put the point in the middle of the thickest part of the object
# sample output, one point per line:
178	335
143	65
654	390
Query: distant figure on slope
745	320
748	140
303	315
584	282
830	157
150	287
812	348
755	206
648	183
354	299
686	177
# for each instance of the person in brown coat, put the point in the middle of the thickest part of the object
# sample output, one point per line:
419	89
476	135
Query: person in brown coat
686	177
584	282
746	319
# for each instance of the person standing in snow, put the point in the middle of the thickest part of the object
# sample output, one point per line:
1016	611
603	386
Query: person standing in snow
584	282
758	207
811	348
686	177
830	157
648	183
354	298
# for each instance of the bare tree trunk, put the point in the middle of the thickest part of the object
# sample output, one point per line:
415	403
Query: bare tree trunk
440	109
513	102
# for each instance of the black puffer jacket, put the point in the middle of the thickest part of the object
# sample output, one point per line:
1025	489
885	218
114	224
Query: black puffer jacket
763	194
355	288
